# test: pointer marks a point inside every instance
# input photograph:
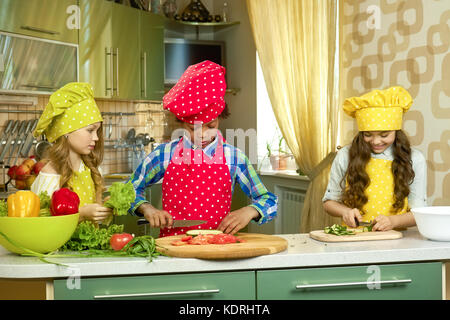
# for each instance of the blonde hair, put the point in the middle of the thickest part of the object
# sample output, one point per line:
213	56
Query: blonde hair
57	155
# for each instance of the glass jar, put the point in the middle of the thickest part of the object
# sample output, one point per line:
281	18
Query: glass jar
169	8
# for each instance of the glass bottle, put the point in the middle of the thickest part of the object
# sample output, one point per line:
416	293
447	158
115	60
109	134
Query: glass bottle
169	8
226	12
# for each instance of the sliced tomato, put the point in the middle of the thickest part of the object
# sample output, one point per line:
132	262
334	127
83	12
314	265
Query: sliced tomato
223	238
201	239
179	243
187	238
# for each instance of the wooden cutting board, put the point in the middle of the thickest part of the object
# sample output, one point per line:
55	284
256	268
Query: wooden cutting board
362	236
255	245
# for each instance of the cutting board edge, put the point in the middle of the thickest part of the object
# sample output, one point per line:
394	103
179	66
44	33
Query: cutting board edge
245	252
320	235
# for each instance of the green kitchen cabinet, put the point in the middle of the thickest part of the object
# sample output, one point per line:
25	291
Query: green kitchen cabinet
109	49
49	19
125	51
391	282
199	286
95	45
152	56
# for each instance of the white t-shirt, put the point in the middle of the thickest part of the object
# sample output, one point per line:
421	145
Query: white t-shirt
418	189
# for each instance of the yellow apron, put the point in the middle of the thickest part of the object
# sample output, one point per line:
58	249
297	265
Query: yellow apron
380	192
83	185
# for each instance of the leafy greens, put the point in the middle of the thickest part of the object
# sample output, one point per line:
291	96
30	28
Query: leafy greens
3	208
122	195
89	236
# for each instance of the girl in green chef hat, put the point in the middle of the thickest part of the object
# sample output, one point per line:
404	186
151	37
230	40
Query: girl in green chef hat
72	122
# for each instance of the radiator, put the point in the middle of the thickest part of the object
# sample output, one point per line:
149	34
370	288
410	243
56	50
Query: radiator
290	205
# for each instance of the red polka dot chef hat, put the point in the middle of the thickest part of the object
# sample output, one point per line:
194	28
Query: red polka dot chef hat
198	96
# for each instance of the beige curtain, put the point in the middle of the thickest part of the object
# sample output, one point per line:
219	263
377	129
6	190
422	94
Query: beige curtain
296	44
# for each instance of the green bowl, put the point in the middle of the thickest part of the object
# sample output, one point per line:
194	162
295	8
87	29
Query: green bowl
40	234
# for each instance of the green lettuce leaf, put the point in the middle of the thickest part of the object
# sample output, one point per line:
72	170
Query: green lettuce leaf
3	208
88	236
44	199
122	195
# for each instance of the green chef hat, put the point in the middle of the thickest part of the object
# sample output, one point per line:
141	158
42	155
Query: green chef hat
70	108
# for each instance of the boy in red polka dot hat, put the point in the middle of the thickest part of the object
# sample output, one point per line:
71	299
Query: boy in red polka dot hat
200	169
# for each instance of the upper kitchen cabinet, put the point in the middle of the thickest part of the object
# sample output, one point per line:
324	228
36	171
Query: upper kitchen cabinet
109	49
95	46
48	19
118	53
152	56
125	52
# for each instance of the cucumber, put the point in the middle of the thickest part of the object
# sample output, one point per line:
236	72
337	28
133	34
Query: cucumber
202	231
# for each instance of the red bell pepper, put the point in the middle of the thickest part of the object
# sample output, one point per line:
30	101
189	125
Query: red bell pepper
64	201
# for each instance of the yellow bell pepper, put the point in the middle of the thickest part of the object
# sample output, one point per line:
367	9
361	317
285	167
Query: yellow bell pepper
23	204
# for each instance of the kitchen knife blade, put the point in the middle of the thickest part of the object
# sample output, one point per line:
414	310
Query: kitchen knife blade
9	141
8	127
23	124
363	223
21	140
178	223
29	140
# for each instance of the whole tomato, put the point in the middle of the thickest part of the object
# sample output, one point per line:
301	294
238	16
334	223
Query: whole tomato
119	240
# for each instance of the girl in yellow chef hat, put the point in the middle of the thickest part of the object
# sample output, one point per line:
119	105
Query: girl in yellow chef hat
72	122
379	177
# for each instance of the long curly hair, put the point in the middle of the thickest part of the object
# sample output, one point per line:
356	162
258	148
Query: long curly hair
356	180
57	155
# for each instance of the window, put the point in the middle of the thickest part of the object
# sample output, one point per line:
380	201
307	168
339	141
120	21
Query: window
269	133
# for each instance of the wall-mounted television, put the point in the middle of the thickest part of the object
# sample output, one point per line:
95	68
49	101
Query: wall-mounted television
181	53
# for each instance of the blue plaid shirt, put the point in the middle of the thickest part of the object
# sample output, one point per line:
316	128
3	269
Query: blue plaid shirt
152	169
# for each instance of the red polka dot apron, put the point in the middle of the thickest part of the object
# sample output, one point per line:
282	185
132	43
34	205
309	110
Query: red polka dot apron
196	187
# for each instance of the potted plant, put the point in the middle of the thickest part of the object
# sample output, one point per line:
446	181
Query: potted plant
278	161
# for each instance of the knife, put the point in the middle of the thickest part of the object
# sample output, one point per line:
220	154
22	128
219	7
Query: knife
363	223
29	140
9	141
178	223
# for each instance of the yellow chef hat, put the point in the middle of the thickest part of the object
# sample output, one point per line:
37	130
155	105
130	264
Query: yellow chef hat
70	108
379	110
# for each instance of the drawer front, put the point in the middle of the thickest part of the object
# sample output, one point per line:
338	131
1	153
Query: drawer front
399	281
208	286
47	19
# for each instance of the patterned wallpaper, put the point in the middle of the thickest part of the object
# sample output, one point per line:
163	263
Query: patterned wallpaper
407	43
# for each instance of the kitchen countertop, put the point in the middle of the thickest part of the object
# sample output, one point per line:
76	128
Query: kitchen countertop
290	174
302	252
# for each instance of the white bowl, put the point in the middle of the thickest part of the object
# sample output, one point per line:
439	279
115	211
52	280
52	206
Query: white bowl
433	222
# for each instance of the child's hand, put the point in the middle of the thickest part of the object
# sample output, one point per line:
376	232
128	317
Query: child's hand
238	219
383	223
157	218
95	212
350	215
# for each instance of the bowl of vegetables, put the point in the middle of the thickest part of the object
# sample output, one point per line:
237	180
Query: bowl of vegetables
433	222
26	225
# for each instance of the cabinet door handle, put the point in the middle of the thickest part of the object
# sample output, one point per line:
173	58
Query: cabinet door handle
156	294
117	71
348	284
144	56
30	28
110	70
113	54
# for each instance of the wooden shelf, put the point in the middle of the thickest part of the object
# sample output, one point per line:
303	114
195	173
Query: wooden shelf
176	25
207	24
